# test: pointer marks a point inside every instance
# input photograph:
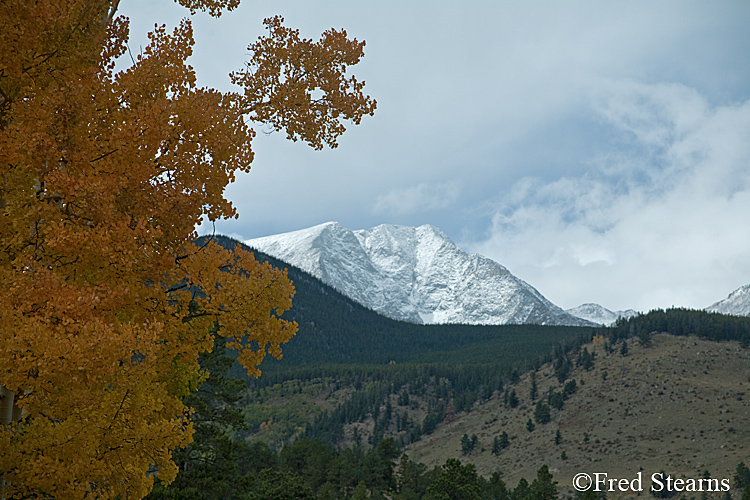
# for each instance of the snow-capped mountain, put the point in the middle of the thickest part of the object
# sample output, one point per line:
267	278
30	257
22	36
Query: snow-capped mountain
600	315
413	274
737	303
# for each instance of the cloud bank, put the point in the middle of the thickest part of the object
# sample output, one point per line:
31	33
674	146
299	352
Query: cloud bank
662	219
419	198
597	149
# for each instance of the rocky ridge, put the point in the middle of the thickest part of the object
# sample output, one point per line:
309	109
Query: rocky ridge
414	274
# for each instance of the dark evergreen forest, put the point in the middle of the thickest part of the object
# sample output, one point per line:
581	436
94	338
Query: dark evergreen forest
450	367
381	358
680	321
387	365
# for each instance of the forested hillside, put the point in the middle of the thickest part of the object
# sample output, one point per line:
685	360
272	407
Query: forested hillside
351	375
481	412
673	403
657	403
681	321
334	329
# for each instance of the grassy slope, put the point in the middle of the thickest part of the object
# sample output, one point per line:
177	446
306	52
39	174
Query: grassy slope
680	405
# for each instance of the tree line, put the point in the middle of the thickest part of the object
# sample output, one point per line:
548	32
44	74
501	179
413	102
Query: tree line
316	466
681	321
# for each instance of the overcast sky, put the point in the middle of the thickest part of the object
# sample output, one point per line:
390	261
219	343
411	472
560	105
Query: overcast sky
598	150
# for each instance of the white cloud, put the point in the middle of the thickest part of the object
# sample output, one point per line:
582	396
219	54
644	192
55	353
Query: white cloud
642	206
662	221
657	115
419	198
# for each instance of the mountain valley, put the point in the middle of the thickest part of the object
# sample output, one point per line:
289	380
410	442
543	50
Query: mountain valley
660	391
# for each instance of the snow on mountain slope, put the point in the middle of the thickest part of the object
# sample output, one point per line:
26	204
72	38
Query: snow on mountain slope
737	303
600	315
413	274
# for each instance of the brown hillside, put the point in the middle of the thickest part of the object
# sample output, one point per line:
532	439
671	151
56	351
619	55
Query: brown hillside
679	405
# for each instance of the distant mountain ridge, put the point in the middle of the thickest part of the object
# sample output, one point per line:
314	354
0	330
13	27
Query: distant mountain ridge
414	274
736	304
599	314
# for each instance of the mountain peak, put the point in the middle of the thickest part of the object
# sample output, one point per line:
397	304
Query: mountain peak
737	303
414	274
599	314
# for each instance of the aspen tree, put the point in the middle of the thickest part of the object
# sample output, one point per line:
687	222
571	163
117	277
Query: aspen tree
105	302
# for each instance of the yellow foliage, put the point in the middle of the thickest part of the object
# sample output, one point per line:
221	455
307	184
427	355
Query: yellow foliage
105	304
285	71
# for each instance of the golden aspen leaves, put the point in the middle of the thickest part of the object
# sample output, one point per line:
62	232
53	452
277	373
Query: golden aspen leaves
105	301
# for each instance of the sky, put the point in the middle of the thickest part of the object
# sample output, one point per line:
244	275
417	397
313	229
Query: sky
598	150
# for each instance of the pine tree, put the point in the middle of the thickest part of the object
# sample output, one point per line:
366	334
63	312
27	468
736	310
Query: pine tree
542	413
624	348
562	367
456	481
217	410
512	399
495	488
468	444
360	492
521	491
543	487
585	359
504	440
644	338
533	391
496	448
741	476
270	484
556	400
569	389
465	445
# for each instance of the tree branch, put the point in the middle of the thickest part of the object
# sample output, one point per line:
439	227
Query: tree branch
112	10
122	403
104	155
196	315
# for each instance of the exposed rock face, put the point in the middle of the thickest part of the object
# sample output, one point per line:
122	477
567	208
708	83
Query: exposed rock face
600	315
737	303
414	274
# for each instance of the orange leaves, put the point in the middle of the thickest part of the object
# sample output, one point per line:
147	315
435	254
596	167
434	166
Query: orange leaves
301	86
247	298
105	304
99	448
214	7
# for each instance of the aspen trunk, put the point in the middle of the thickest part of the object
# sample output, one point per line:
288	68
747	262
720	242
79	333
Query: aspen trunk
7	398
